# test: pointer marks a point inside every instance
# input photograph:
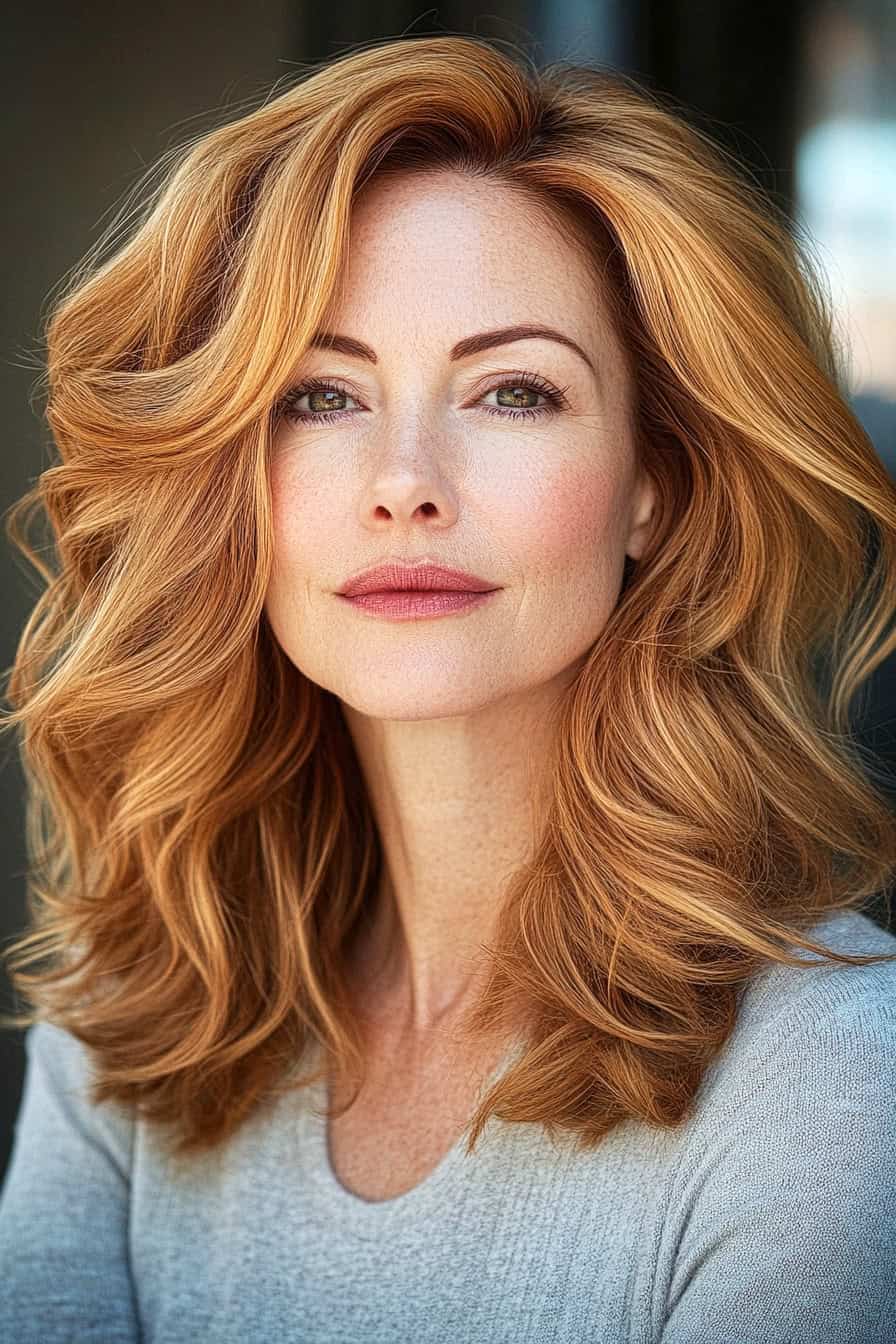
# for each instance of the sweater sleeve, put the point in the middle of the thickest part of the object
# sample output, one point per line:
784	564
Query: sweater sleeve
64	1272
789	1227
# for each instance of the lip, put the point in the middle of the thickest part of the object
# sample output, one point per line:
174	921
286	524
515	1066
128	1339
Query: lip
397	577
416	606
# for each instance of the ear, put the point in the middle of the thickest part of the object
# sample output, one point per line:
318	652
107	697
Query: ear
643	513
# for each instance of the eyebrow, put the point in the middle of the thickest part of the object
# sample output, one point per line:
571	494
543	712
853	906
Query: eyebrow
470	345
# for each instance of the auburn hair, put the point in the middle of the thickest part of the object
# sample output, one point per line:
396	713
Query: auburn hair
201	845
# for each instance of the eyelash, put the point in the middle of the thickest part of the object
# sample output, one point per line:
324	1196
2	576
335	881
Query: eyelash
534	382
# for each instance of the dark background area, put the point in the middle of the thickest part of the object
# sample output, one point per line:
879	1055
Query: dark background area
96	94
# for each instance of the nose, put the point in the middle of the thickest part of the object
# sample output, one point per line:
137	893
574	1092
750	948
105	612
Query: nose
407	491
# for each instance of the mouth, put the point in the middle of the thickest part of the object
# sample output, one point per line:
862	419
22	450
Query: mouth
416	592
400	578
404	604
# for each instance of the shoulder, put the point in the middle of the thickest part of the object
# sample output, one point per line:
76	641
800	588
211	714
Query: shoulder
784	1194
65	1204
58	1051
830	1016
57	1102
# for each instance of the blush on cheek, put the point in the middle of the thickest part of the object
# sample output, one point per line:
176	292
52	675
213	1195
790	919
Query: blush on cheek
579	515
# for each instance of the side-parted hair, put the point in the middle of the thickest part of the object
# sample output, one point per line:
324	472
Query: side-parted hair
201	845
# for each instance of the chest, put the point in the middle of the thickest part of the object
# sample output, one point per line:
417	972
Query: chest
400	1126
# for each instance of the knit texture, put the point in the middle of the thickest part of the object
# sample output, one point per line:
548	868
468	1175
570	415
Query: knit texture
768	1217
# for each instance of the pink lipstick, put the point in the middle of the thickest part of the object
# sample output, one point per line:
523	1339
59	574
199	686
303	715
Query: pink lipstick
402	592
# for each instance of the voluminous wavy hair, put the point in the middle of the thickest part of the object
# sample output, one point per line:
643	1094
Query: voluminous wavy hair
201	845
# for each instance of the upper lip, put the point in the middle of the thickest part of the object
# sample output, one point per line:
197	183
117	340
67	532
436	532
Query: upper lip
397	576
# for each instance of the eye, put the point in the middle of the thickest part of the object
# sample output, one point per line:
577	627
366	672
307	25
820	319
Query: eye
517	388
320	393
528	386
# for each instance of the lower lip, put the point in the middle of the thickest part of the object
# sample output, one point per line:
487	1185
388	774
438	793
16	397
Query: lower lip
415	606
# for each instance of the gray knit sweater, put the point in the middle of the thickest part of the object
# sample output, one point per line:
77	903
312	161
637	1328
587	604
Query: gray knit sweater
769	1217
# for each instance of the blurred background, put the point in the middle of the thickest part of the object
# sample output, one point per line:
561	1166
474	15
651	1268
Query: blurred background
803	92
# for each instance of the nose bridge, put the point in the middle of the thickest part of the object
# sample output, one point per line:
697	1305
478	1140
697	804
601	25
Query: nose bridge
417	458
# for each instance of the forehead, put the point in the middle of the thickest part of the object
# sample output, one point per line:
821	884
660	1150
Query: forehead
459	252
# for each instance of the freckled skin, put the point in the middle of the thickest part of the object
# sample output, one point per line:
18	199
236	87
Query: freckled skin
451	717
547	507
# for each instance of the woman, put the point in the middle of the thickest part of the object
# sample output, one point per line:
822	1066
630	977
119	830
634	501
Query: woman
424	947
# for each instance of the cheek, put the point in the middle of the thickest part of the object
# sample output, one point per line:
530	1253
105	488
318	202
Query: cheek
299	519
565	521
299	549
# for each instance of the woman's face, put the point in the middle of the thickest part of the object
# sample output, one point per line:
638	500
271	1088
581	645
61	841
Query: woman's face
420	454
